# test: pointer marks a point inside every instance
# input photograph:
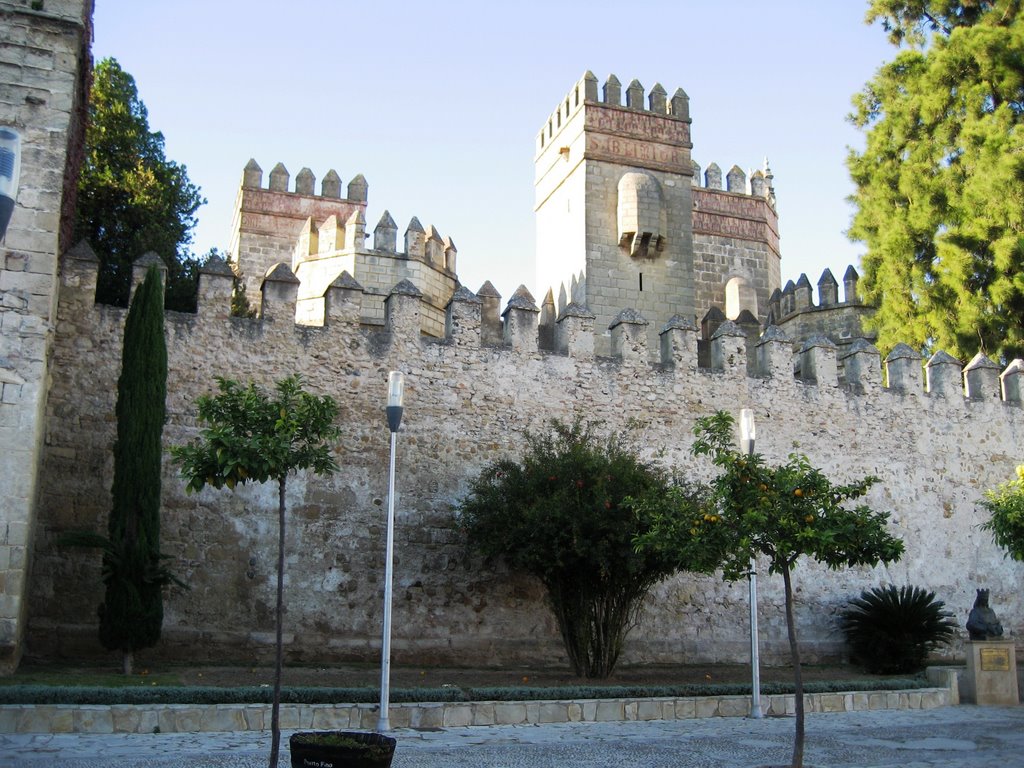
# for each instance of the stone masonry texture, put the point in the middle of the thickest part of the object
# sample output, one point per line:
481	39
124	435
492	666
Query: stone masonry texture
43	60
467	405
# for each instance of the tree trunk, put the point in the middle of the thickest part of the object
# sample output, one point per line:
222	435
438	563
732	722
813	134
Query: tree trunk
275	712
798	681
127	662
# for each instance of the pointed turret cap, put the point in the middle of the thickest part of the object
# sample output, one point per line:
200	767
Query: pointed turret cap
280	273
82	252
680	323
902	352
346	282
488	290
215	265
331	184
574	309
466	296
405	288
386	222
521	299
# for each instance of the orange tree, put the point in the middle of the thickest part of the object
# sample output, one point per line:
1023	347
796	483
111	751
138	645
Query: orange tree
1006	506
779	512
251	435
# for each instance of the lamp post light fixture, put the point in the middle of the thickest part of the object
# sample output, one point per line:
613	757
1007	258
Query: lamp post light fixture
10	170
396	386
748	433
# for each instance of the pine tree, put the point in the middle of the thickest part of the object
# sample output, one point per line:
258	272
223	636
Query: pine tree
940	184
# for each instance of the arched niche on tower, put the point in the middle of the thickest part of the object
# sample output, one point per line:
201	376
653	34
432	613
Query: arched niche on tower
641	214
739	295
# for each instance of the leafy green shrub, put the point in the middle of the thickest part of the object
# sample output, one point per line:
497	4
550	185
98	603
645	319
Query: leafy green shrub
1006	505
891	630
566	513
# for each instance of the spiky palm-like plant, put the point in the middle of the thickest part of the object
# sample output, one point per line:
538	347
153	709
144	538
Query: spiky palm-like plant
892	629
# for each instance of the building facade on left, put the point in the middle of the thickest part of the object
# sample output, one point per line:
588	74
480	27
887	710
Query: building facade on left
45	65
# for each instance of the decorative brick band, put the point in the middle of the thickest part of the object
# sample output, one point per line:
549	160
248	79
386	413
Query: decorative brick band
733	215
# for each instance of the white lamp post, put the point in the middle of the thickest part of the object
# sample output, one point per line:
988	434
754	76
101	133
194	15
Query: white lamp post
748	432
396	385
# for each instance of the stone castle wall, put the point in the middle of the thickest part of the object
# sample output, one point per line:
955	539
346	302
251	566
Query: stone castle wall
44	67
935	449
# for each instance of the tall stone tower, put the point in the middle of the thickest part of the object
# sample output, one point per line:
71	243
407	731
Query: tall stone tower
43	77
624	221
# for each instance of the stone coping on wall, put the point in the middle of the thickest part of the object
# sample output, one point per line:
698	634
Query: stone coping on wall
183	718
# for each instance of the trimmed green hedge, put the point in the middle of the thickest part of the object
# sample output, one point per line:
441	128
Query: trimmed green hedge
53	694
683	691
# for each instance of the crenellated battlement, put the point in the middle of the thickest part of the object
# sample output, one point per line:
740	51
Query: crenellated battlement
585	91
798	297
793	309
743	207
305	181
758	183
269	221
737	349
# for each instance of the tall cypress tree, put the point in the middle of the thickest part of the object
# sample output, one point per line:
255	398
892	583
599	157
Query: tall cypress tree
132	611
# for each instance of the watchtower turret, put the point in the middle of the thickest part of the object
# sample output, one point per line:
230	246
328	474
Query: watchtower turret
623	220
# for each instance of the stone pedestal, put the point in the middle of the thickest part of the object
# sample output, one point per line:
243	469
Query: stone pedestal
991	676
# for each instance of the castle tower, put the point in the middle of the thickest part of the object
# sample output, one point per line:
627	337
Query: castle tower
321	237
43	73
267	221
623	219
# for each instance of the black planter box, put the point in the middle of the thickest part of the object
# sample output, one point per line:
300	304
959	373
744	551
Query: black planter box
341	749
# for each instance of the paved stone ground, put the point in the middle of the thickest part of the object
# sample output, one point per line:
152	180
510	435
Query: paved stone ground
950	737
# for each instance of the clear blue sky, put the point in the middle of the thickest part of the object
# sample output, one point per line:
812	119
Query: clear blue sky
438	103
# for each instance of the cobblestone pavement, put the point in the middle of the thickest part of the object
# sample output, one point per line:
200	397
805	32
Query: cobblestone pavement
950	737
